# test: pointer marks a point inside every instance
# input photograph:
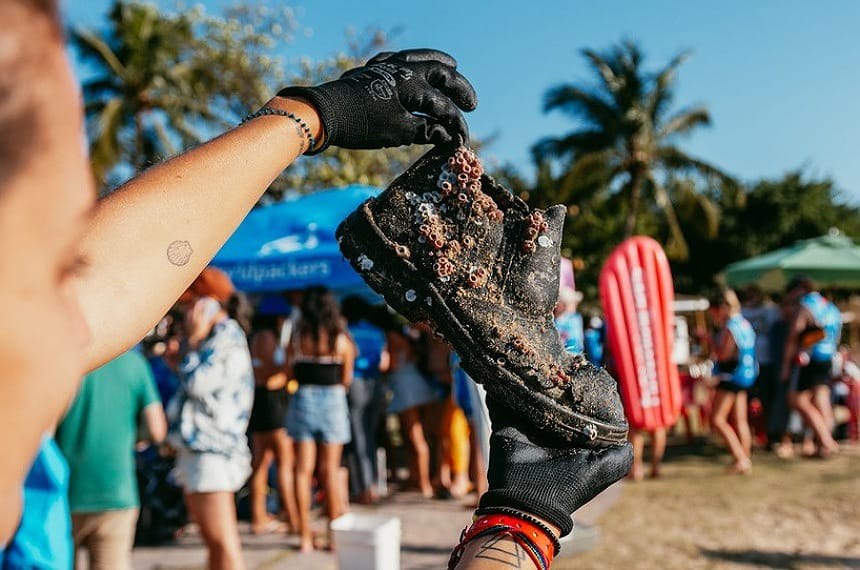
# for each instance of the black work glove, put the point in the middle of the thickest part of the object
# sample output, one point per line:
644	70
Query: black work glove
545	480
402	98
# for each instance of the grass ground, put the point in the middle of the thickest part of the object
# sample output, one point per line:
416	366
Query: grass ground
794	514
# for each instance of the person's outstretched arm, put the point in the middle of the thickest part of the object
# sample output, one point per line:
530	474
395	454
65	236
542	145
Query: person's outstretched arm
148	240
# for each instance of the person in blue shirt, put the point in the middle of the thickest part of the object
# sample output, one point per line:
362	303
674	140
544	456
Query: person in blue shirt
810	345
366	397
43	540
568	320
595	336
736	369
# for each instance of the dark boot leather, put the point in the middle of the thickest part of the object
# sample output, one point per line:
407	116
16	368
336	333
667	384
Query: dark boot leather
482	268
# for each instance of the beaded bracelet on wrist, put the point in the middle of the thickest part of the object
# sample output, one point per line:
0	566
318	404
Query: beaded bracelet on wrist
528	536
526	517
268	111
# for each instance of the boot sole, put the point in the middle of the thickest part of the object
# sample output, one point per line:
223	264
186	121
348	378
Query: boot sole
359	235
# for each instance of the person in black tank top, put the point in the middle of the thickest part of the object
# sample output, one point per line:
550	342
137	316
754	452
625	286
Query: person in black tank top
321	357
269	438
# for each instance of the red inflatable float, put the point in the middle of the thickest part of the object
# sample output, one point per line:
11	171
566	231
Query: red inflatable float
637	295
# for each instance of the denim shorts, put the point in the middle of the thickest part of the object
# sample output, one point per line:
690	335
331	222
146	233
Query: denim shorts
319	413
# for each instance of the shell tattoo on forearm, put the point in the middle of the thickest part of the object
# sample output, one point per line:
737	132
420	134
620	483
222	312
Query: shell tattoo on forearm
179	252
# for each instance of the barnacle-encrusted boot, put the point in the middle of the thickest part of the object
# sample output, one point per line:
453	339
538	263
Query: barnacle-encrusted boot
446	245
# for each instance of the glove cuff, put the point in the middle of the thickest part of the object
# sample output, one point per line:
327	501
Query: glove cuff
529	501
335	105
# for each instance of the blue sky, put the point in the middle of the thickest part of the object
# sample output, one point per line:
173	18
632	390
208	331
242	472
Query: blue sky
780	77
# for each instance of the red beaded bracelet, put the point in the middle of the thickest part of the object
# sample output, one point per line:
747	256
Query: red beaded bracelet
539	547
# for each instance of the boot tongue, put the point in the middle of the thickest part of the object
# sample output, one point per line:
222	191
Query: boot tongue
504	198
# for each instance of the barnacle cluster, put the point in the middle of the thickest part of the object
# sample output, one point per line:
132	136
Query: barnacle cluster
461	179
535	226
443	267
477	276
457	198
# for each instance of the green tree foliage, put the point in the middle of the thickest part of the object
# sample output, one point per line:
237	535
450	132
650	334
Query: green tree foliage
165	81
625	149
774	213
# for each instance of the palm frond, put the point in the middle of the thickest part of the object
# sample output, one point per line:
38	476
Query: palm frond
590	174
661	92
676	246
684	121
576	143
95	46
98	87
700	209
178	123
603	67
163	136
587	106
105	146
674	159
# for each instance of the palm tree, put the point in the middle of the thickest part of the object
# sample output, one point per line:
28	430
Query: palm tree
627	137
143	98
163	81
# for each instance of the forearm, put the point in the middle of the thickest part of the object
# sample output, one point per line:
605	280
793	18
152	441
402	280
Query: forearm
155	422
153	236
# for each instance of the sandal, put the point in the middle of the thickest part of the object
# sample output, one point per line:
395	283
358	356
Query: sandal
271	526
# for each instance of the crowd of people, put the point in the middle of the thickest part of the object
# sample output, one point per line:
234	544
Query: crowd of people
295	392
83	279
784	357
800	366
779	355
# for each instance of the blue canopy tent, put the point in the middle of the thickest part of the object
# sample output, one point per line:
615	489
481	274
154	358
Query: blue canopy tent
291	244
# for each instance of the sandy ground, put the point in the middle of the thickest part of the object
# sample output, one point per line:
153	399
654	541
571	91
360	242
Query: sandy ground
792	514
788	514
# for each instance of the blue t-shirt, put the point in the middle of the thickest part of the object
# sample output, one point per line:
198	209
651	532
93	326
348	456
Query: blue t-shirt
370	341
44	537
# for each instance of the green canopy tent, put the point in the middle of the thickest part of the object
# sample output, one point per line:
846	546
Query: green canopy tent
832	261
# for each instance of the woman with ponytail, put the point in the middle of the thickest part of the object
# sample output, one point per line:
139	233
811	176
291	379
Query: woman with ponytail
737	370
